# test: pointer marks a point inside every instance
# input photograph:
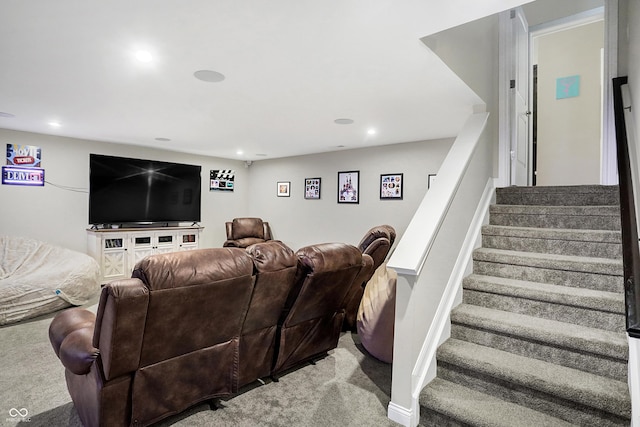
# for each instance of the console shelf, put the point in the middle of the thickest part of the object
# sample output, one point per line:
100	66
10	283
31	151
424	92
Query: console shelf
118	250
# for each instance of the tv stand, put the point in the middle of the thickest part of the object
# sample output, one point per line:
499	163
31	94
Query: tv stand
118	250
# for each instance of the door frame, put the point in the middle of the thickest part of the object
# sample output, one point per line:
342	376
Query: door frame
608	166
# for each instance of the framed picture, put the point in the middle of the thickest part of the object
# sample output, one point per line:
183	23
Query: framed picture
391	186
349	187
283	188
221	180
312	188
431	179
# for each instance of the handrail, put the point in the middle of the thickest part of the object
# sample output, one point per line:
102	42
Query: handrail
415	244
427	259
630	249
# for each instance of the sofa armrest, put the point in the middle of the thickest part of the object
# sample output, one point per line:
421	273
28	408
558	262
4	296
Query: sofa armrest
231	244
71	335
77	354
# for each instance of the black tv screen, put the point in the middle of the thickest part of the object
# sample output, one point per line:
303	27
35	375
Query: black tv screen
123	190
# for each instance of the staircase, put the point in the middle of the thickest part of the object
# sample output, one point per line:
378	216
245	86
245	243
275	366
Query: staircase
539	337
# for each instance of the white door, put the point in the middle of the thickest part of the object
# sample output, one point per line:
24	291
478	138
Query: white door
520	100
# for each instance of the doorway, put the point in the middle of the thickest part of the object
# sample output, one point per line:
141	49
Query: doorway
543	14
567	106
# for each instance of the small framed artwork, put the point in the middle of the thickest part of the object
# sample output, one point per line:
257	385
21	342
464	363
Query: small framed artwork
391	186
431	179
312	188
284	188
349	187
221	180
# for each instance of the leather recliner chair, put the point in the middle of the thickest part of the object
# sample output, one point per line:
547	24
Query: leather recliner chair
161	341
197	325
312	319
244	232
377	243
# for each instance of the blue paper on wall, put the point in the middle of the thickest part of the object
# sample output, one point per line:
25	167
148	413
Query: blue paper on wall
567	87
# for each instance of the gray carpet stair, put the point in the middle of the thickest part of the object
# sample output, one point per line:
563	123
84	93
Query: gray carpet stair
579	217
569	270
579	195
580	306
539	338
591	243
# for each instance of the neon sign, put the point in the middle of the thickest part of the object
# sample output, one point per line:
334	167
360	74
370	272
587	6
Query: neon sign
15	175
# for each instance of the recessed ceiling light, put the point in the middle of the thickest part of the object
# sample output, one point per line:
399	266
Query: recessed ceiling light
209	76
343	121
54	124
163	139
371	132
7	115
239	152
144	56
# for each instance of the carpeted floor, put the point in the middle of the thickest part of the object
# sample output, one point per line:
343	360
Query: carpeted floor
348	387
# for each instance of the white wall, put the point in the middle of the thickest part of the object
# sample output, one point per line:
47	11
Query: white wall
569	130
471	51
632	56
543	11
299	222
629	65
60	216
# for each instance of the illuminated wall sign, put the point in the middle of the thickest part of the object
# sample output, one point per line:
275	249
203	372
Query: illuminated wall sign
16	175
27	156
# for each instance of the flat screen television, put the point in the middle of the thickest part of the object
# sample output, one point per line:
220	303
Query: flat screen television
137	191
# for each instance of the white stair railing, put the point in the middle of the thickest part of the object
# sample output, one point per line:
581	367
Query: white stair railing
427	260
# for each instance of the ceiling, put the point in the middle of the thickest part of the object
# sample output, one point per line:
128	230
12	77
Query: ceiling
291	68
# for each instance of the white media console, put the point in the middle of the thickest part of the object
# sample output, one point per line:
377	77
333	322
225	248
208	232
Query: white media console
118	250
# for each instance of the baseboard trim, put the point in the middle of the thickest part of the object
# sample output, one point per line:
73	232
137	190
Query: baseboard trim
634	380
401	415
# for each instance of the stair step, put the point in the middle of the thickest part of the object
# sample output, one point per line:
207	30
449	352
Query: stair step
585	272
591	243
539	338
573	195
580	306
562	392
467	407
589	349
573	217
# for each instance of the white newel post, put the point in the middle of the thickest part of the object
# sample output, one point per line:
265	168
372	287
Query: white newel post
402	408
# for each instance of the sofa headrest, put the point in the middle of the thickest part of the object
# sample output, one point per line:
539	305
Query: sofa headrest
377	232
329	256
247	227
196	267
272	255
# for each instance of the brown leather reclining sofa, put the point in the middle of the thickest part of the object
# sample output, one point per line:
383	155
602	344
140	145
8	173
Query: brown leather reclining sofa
193	326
